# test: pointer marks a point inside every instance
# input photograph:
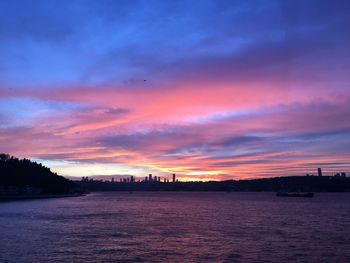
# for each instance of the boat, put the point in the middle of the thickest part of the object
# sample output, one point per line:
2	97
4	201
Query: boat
294	194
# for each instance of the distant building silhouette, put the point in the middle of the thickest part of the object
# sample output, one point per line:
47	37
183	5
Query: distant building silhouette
174	178
319	171
150	177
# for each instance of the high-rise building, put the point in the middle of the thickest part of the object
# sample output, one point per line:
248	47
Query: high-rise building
146	178
174	178
319	171
112	179
155	179
132	179
150	177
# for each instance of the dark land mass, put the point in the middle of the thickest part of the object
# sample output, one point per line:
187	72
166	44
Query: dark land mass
290	183
22	178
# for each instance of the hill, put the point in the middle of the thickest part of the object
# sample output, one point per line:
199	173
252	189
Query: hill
24	177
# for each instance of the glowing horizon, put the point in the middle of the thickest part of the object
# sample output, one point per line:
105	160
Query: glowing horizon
208	90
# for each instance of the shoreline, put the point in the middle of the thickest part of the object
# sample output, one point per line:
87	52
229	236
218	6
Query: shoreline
32	197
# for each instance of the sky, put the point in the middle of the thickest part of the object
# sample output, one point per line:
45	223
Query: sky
209	90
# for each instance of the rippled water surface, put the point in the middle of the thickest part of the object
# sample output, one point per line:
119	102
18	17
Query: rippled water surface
177	227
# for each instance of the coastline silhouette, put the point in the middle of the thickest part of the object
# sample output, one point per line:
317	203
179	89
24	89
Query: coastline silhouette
22	177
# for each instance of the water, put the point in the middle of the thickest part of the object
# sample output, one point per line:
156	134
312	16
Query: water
177	227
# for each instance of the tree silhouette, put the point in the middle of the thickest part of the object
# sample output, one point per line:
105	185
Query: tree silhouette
25	173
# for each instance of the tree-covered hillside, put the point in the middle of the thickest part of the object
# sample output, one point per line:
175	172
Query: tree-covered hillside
18	176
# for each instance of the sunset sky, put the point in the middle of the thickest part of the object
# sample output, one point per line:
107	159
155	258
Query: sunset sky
204	89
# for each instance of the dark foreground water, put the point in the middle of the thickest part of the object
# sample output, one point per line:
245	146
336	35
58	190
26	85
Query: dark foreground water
177	227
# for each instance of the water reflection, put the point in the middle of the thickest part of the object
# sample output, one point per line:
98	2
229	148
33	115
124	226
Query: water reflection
176	227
